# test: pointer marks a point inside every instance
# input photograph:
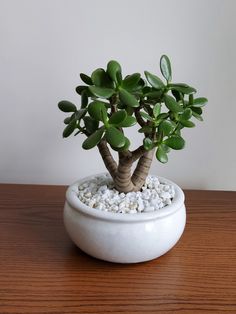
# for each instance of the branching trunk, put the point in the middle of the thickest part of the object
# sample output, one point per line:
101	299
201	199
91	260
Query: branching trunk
142	169
123	179
109	161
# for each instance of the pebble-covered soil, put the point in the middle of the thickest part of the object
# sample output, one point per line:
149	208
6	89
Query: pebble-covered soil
99	193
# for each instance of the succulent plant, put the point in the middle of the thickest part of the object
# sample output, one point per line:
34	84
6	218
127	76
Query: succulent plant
111	103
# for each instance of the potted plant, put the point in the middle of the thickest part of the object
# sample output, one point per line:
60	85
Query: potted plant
128	216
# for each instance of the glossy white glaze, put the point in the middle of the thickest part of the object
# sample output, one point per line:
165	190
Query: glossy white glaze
124	238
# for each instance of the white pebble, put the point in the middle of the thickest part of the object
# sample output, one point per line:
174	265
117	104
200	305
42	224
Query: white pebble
149	209
99	193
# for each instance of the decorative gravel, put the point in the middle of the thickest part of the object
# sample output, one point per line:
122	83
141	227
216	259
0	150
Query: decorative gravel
99	193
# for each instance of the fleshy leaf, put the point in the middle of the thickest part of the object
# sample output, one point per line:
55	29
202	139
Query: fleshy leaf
100	78
80	114
131	81
114	137
182	88
69	128
84	99
93	139
187	123
118	117
154	80
114	71
91	124
66	106
156	110
147	143
200	102
101	92
95	109
145	116
172	104
86	79
127	122
187	114
166	68
161	155
166	127
175	142
128	99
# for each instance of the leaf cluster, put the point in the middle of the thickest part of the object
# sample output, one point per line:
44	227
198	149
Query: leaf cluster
110	103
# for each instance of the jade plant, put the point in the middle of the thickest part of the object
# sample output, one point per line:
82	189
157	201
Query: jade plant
110	103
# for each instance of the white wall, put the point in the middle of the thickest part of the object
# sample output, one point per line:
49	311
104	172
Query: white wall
46	44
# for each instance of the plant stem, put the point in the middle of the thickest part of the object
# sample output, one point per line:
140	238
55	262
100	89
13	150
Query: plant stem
109	161
142	169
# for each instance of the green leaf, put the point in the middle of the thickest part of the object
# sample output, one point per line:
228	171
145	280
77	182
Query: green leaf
145	129
127	122
66	106
100	78
198	110
114	137
118	117
80	114
172	104
162	116
131	81
175	142
147	143
161	155
86	79
84	99
186	123
197	116
95	109
67	120
176	94
154	80
114	71
156	95
166	127
69	128
104	117
182	88
146	116
127	98
165	148
91	124
93	139
156	110
166	68
101	92
190	100
125	147
80	88
200	102
187	114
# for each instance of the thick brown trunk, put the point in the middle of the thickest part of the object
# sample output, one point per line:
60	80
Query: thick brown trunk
109	161
142	169
122	179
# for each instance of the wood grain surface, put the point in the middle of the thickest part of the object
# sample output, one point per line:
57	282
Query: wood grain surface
41	271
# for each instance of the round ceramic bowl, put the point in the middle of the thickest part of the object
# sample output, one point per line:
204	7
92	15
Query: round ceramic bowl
124	238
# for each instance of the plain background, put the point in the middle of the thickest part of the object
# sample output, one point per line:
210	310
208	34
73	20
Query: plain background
46	44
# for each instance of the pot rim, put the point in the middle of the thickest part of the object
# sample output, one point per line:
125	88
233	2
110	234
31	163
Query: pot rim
75	203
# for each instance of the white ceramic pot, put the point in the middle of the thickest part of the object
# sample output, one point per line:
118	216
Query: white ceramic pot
124	238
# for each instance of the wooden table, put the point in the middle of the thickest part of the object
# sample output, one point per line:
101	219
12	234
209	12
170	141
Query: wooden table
41	271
